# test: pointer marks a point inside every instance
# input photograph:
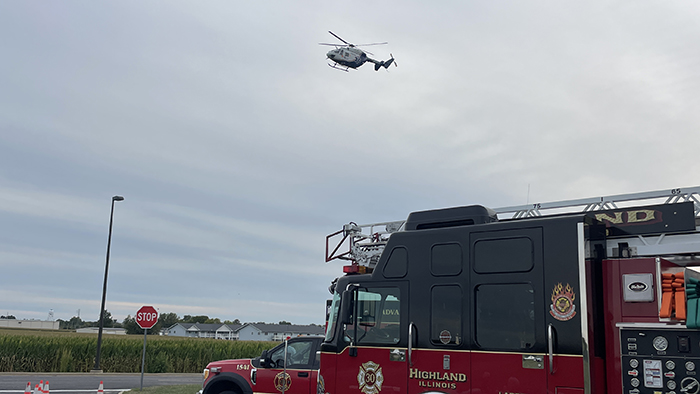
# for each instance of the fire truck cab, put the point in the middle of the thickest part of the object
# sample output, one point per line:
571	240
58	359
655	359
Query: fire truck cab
516	300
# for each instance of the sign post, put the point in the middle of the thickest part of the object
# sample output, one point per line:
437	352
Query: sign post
146	318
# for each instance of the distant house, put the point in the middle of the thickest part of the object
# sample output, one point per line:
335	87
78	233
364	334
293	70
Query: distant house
200	330
275	332
246	332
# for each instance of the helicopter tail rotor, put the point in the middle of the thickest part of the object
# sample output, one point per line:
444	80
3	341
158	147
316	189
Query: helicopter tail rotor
385	64
392	60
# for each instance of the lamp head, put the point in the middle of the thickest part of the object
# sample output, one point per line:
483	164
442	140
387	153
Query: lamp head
117	198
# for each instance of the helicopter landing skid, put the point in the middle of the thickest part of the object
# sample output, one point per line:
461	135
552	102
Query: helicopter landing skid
338	68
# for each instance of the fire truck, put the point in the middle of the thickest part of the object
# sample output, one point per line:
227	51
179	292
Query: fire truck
596	295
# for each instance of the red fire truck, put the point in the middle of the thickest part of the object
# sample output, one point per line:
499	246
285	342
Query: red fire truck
587	296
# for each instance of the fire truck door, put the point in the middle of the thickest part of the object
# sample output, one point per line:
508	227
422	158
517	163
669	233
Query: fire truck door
375	361
508	299
438	359
438	348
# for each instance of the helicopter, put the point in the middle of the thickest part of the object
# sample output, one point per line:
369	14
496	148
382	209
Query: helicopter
350	56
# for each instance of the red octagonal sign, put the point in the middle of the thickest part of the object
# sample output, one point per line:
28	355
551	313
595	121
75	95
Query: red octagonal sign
147	317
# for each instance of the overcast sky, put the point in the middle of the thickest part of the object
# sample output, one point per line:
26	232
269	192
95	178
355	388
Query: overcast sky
237	149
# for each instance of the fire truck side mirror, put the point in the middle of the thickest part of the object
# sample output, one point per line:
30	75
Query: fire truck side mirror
346	307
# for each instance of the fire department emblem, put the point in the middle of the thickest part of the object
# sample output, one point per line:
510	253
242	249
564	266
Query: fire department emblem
562	307
370	378
283	381
320	385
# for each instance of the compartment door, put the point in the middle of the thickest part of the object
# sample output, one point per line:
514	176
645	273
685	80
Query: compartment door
509	331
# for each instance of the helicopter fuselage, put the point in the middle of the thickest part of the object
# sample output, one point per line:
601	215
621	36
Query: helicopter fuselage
348	56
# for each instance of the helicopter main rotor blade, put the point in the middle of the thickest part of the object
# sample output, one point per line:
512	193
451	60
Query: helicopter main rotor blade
334	35
333	45
375	43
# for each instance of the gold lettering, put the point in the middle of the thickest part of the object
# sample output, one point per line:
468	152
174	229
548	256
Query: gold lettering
437	379
641	215
604	217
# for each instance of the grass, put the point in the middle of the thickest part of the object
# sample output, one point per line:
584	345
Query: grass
182	389
61	351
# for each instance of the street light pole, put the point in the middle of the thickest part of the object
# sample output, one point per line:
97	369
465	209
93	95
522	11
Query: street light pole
104	286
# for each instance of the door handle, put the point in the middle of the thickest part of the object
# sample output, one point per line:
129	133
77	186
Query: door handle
303	374
550	347
410	343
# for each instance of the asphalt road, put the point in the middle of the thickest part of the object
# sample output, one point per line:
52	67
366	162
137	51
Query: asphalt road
81	383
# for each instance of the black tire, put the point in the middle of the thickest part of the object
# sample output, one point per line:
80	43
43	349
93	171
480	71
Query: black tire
227	392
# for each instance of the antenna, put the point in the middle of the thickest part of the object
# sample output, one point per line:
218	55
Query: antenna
528	194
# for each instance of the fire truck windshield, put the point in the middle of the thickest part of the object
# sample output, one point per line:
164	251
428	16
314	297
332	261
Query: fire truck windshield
373	318
333	316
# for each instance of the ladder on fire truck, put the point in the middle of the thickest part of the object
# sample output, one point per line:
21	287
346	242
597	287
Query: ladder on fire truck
363	244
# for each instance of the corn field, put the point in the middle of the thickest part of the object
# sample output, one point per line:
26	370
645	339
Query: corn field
43	351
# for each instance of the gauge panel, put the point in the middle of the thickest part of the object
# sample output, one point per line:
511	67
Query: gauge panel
660	360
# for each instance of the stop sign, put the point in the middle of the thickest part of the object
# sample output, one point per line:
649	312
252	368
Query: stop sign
147	317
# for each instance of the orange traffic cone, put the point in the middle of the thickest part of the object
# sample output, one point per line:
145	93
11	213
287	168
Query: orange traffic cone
46	387
37	390
101	389
28	390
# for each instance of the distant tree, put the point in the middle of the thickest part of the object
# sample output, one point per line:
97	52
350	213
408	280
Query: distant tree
235	321
10	317
285	323
194	319
129	324
74	323
168	319
107	319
